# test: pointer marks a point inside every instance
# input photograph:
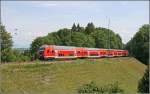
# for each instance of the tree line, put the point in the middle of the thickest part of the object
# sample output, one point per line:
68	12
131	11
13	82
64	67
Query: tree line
138	46
89	36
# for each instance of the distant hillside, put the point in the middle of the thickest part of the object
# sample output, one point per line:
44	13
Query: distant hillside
67	77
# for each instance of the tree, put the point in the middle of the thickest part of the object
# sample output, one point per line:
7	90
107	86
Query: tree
89	28
143	86
6	44
80	29
139	44
78	39
66	36
77	28
74	28
100	38
55	37
119	41
89	42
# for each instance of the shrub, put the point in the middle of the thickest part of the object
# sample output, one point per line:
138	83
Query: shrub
93	88
143	86
114	88
89	88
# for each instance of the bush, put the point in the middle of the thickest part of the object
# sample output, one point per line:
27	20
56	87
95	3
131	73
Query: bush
89	88
93	88
113	88
143	86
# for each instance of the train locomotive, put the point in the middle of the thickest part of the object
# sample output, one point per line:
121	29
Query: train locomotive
69	52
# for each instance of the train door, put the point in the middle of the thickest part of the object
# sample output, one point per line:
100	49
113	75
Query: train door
49	53
80	52
110	53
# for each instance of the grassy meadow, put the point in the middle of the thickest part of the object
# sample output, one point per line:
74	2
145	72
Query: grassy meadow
67	77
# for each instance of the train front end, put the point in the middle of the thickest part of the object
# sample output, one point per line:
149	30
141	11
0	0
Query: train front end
41	53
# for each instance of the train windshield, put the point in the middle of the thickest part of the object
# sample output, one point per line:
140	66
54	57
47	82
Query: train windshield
41	49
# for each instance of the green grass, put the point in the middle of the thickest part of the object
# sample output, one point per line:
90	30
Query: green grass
68	77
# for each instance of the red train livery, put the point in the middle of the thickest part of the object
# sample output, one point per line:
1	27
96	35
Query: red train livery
53	51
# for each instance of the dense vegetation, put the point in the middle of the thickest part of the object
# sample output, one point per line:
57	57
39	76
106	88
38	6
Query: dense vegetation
90	36
8	54
6	44
138	46
93	88
143	86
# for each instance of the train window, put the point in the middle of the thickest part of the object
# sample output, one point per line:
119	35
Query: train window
61	54
52	51
78	52
41	48
47	51
93	54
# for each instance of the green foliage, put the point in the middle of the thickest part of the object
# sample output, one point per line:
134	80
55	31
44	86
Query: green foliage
93	88
74	28
89	88
18	56
143	86
77	28
78	36
102	40
89	41
78	39
112	88
65	36
139	44
6	44
89	28
80	29
7	53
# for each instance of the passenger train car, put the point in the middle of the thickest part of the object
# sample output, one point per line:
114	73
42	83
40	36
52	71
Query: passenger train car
53	52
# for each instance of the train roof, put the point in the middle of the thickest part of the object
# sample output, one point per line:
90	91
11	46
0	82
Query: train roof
73	48
65	47
92	48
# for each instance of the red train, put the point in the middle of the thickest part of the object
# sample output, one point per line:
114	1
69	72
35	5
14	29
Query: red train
53	52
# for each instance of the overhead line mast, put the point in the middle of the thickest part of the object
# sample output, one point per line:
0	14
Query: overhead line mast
108	33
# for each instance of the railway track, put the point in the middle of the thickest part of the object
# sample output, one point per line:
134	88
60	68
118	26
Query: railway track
50	61
55	61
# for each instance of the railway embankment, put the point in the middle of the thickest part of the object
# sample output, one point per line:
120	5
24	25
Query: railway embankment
66	76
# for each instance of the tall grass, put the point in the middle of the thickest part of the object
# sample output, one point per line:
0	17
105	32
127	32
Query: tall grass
67	76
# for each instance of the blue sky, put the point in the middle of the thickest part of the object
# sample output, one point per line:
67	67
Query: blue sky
26	20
